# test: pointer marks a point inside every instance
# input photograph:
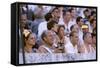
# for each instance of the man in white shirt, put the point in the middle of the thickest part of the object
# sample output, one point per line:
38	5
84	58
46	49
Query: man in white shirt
71	46
73	16
54	15
79	22
47	39
43	25
66	21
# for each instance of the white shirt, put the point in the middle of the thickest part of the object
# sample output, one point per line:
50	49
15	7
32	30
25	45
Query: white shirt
42	27
73	21
67	27
80	34
48	49
70	49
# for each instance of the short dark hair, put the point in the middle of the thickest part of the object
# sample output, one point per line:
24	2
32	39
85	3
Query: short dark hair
44	34
51	24
78	19
48	16
54	9
64	11
71	27
86	10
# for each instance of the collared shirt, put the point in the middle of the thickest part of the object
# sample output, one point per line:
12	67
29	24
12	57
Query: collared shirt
42	27
70	49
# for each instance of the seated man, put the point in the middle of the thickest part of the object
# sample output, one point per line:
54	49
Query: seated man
43	25
71	46
47	42
53	26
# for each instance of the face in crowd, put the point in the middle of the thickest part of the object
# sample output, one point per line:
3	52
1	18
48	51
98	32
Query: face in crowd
30	38
88	38
56	14
73	13
52	25
94	40
81	22
48	38
74	37
23	20
61	31
67	16
55	28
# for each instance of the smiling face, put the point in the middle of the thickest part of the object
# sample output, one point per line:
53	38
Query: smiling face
88	38
55	27
81	22
67	16
61	31
23	20
74	37
31	40
56	14
49	38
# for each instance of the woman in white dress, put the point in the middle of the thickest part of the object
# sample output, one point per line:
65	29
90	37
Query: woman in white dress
30	47
72	46
62	38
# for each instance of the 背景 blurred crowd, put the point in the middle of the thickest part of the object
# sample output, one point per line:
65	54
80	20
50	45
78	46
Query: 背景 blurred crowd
57	30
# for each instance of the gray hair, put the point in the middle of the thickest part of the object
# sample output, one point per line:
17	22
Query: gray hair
44	34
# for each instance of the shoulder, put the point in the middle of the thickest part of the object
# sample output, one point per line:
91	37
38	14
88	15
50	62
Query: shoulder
41	49
42	23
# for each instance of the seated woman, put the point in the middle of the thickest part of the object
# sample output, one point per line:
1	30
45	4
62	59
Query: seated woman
87	51
62	38
30	42
29	49
87	47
